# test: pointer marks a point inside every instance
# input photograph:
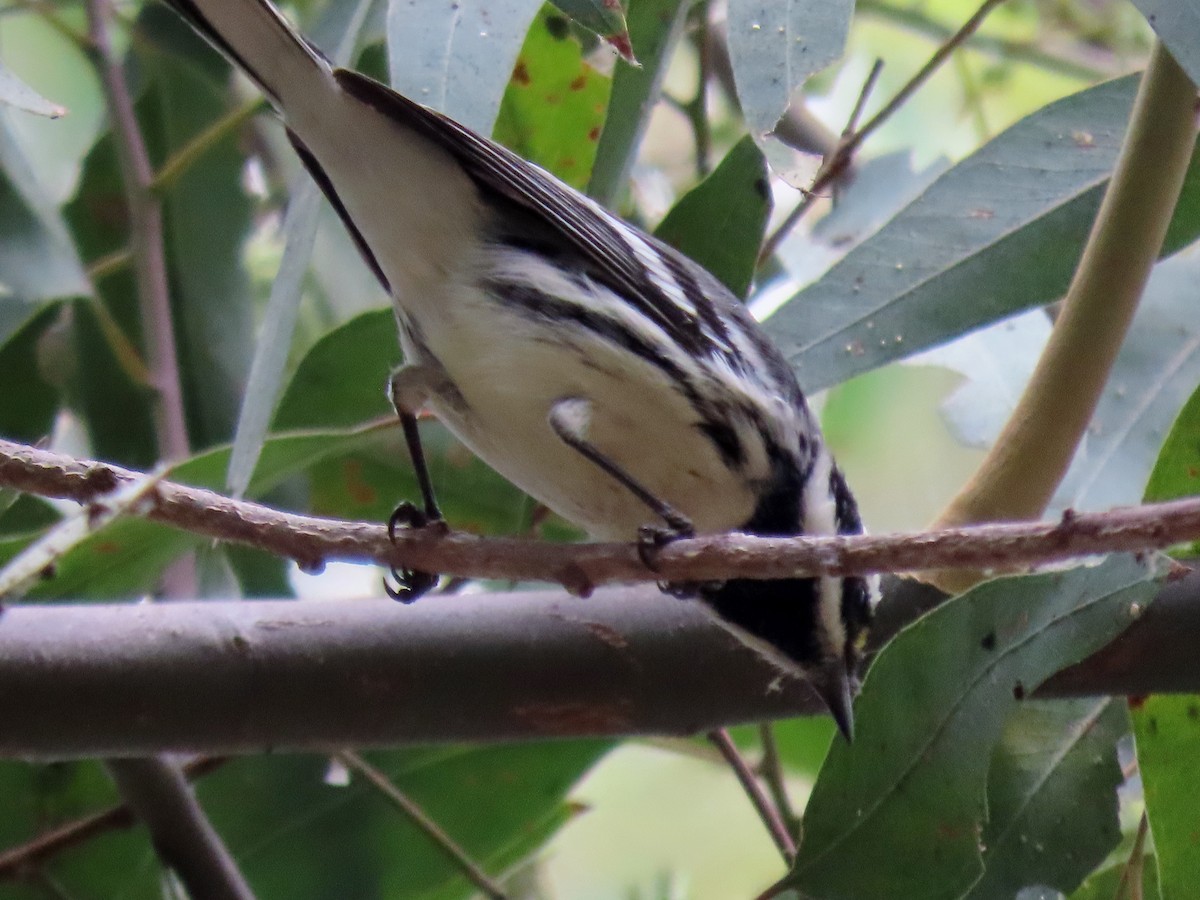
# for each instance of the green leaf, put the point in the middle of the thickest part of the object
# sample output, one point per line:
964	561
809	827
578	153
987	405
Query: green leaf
264	383
1166	728
654	29
37	260
119	862
720	222
1177	24
16	93
457	57
1052	796
775	46
1177	470
30	400
553	110
340	382
911	788
996	234
297	836
1105	884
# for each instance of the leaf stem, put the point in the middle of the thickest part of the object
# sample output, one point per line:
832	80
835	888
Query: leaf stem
422	820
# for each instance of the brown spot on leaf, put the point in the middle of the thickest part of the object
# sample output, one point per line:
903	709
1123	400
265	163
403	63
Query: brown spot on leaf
520	74
579	83
594	133
358	489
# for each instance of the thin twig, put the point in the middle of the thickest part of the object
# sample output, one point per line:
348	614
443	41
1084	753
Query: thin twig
16	861
1130	885
312	540
697	108
424	823
913	18
762	805
932	65
771	768
146	239
841	157
146	243
809	195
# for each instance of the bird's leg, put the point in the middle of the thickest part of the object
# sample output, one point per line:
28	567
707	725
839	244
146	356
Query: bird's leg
408	388
569	419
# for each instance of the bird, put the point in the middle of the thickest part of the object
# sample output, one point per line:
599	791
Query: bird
604	373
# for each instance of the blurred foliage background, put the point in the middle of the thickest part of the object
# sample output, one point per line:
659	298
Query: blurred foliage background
581	819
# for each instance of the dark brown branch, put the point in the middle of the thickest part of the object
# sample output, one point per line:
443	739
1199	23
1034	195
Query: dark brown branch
184	839
25	858
579	567
244	676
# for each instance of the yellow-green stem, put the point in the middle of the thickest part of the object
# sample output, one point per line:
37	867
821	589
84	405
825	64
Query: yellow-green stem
1031	456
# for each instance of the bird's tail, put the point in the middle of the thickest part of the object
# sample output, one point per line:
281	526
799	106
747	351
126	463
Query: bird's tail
256	37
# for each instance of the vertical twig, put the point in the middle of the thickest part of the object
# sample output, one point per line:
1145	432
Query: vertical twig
772	773
836	163
1130	885
762	805
150	266
155	788
425	823
832	168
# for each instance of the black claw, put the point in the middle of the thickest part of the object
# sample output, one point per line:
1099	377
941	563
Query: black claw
652	538
410	584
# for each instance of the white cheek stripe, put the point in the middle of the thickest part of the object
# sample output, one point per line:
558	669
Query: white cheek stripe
820	518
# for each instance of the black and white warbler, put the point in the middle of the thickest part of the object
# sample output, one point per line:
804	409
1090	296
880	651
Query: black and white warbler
598	369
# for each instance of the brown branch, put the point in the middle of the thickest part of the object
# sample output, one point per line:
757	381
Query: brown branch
242	676
579	568
183	838
26	857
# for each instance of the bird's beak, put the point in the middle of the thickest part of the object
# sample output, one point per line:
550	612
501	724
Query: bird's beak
832	684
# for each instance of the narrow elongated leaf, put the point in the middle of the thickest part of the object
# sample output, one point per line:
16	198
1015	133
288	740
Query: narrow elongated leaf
1156	371
911	787
16	93
553	110
1177	24
1052	796
457	56
774	48
37	260
654	29
30	401
996	234
340	382
720	222
264	384
1177	470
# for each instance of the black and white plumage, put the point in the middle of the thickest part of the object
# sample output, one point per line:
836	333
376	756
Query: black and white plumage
524	308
